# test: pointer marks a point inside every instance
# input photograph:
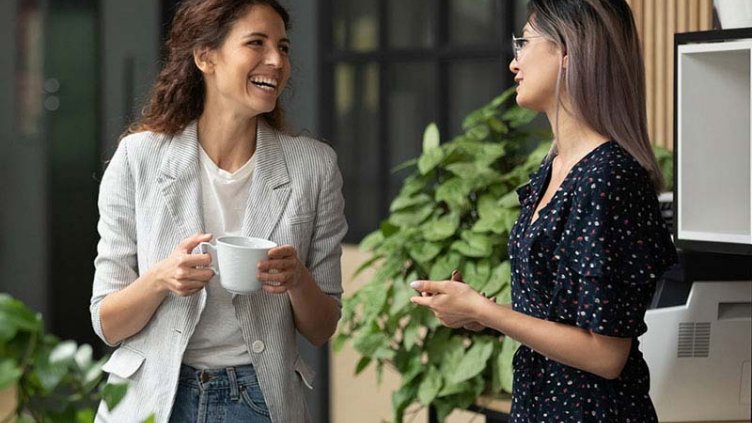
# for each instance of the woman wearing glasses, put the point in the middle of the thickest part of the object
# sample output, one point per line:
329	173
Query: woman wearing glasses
589	243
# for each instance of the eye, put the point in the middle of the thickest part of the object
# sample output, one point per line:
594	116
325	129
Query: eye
284	48
256	43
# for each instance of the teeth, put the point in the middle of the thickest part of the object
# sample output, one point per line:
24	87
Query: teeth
264	82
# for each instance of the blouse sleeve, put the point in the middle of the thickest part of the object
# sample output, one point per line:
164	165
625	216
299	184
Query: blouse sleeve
616	246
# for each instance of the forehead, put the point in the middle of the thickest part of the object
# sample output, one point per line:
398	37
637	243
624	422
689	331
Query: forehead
262	19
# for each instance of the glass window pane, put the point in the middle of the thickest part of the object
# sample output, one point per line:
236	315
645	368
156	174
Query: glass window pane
411	106
473	85
356	130
356	25
473	22
412	23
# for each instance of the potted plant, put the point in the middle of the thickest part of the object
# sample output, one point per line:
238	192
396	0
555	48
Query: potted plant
454	211
48	380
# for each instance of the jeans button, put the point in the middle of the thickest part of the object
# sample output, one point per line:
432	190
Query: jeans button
258	346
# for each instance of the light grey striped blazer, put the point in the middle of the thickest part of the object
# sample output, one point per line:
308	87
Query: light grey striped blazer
150	199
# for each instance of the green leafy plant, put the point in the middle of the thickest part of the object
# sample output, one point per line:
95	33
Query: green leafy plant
56	381
454	211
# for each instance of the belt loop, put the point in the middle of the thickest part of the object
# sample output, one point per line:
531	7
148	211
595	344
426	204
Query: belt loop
234	395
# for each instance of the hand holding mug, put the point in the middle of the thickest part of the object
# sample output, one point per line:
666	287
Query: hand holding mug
283	271
182	272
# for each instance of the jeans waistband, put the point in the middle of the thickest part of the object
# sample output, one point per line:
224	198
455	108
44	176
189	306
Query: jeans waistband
227	377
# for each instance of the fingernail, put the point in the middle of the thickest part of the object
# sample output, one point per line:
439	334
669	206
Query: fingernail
415	284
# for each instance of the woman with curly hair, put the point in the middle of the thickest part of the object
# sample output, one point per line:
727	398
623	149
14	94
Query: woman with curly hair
210	157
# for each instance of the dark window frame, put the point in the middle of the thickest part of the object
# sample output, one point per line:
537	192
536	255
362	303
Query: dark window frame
441	56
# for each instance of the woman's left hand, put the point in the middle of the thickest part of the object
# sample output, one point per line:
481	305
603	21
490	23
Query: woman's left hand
456	304
282	272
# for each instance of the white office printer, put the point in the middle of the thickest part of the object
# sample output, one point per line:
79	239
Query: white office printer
700	354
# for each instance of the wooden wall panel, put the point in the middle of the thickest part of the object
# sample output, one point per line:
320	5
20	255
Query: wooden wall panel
657	21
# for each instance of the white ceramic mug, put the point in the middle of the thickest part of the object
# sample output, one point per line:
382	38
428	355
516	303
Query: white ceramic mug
235	261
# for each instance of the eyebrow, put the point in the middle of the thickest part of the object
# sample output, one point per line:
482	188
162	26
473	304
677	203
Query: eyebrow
263	35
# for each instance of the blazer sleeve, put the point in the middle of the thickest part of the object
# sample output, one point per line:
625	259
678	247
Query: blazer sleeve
329	229
116	263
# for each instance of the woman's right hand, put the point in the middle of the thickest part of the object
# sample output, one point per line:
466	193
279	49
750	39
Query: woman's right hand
180	272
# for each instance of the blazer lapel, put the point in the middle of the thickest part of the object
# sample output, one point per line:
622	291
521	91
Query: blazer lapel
180	183
270	186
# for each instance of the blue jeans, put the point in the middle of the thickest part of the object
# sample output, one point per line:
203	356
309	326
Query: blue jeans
219	395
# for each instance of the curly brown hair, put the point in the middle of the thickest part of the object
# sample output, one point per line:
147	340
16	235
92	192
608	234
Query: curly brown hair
177	97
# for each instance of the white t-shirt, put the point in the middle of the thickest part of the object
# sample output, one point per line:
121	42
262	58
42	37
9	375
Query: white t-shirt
217	341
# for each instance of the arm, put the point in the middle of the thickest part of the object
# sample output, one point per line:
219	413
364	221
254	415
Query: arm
123	302
314	290
316	314
124	313
457	305
602	355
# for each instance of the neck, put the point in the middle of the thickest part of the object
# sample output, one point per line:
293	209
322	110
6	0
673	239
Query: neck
574	138
228	138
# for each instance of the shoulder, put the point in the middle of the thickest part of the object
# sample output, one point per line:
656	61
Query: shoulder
144	146
306	152
612	173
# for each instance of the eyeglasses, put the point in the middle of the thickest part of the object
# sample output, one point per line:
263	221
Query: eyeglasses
519	43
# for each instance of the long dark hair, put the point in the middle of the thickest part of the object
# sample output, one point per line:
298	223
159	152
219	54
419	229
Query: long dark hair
177	97
605	75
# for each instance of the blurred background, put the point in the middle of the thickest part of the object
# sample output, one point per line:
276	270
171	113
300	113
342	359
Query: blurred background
368	76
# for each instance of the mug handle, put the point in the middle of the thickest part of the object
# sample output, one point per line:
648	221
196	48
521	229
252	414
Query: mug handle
209	248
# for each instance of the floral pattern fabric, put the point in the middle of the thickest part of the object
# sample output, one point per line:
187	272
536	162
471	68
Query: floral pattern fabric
591	259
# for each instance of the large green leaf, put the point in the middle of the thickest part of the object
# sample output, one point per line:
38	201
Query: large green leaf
424	252
113	393
411	216
9	372
15	316
369	340
454	192
430	386
500	277
508	348
403	397
476	273
430	159
443	266
403	202
362	364
473	362
441	228
431	137
473	244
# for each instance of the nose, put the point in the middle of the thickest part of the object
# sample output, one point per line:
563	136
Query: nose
514	67
274	58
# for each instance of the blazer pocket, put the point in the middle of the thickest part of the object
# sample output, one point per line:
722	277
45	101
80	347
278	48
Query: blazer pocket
301	218
124	362
305	372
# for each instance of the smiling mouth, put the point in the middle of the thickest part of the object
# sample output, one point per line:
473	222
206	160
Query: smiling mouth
265	83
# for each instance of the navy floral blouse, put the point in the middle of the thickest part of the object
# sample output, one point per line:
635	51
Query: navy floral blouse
591	259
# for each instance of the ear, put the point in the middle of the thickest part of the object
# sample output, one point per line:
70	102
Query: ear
565	61
203	57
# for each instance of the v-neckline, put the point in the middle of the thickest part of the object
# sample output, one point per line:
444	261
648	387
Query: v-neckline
542	190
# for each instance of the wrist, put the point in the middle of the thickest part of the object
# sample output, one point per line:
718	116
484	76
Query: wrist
302	285
483	310
153	283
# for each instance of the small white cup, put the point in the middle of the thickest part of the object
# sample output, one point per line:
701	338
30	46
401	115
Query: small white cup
235	261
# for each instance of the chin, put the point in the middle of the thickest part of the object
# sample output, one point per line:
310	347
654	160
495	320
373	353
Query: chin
528	103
